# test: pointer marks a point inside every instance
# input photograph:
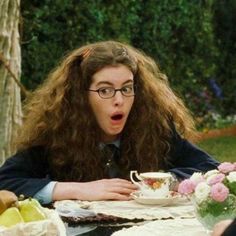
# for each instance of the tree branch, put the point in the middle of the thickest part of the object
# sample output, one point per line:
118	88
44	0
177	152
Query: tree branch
6	65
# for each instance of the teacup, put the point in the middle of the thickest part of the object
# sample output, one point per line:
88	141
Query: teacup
153	184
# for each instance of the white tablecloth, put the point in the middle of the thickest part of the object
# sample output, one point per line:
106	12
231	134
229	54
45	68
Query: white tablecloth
171	227
176	219
133	210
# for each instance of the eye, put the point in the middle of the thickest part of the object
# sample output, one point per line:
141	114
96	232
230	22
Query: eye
128	89
106	90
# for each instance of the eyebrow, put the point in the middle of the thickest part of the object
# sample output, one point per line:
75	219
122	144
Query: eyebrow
111	84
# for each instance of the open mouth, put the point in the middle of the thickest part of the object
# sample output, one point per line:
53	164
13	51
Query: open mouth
117	117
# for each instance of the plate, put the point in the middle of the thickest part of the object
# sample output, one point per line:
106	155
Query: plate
170	200
78	230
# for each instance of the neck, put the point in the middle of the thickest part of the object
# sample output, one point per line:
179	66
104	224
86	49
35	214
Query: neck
109	139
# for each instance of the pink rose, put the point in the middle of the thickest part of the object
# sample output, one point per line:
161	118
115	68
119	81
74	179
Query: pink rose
226	167
234	165
216	179
186	187
219	192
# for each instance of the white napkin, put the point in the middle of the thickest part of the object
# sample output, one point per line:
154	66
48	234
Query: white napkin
70	208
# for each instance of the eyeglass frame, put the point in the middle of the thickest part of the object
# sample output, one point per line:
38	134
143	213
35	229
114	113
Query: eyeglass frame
114	91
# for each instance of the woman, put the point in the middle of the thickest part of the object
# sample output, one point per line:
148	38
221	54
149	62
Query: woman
102	93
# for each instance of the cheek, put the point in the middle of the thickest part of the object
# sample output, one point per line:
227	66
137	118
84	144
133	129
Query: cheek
96	106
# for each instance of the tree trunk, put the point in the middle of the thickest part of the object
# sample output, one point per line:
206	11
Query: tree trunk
10	101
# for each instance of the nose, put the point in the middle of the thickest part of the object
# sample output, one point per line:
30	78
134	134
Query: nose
118	98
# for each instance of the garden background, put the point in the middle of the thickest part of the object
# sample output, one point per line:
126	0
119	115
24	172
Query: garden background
194	43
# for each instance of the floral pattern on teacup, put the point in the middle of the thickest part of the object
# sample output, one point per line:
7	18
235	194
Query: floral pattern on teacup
154	183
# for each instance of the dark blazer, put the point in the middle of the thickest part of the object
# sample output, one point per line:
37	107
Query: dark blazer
27	172
231	229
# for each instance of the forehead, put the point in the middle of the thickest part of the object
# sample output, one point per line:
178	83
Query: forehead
113	75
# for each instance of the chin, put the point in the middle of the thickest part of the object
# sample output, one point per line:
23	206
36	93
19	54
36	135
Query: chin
116	132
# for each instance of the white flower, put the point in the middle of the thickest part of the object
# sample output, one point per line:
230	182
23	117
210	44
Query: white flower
232	176
196	177
211	172
202	191
208	179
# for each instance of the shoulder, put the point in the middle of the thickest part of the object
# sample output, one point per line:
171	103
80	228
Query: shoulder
33	154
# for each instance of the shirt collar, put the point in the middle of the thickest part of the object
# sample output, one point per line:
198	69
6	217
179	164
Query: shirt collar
116	143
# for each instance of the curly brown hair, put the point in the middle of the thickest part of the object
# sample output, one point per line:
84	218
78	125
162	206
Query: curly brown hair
58	116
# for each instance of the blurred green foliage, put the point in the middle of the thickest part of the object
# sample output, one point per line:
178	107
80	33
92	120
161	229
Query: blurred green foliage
221	148
192	41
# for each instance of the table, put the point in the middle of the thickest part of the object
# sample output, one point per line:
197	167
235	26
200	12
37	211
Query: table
178	219
175	227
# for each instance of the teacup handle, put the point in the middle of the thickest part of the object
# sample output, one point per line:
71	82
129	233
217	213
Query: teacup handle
134	172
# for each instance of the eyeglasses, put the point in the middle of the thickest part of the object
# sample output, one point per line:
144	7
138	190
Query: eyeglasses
109	92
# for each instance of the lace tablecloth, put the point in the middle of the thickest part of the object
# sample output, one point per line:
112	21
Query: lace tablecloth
132	210
176	219
171	227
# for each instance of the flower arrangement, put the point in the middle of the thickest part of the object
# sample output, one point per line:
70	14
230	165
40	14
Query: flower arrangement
213	193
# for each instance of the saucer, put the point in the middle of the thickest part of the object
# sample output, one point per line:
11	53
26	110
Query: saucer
169	200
